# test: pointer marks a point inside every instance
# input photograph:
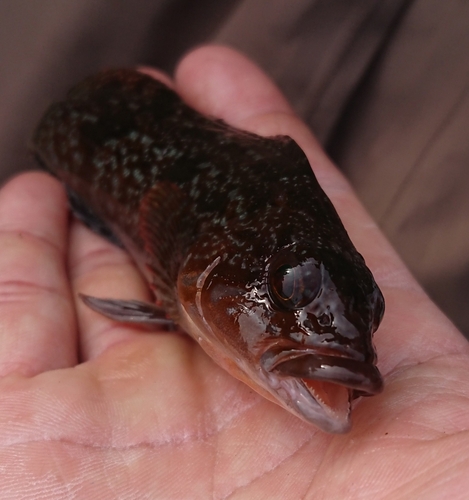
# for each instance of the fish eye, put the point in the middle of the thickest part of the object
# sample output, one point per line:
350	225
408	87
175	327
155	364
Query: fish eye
294	284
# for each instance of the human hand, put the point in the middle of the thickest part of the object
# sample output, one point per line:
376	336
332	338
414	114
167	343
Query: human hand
90	408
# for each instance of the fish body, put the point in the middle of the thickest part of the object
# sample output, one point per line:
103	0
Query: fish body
234	234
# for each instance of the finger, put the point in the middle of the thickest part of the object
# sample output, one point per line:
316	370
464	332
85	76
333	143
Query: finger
157	75
100	269
37	321
219	81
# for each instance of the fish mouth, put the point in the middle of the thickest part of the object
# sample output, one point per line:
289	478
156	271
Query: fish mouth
320	387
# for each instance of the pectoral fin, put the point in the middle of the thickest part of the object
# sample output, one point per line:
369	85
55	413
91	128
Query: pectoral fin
129	311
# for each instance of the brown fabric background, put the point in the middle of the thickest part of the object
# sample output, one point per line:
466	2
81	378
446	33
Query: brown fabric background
405	147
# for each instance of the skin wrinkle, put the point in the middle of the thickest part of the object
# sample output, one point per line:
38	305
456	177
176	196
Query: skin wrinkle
239	488
402	367
6	368
187	439
264	472
417	442
317	491
214	456
234	416
95	258
213	445
154	446
48	436
440	469
11	295
58	470
412	423
109	328
314	477
33	236
58	488
24	284
190	438
102	447
110	475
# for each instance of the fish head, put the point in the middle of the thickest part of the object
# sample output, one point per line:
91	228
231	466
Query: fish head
293	319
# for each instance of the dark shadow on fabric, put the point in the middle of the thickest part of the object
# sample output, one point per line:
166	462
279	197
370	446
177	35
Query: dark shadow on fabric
198	21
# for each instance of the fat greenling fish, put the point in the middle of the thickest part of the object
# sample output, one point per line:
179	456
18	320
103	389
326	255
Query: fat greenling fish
241	246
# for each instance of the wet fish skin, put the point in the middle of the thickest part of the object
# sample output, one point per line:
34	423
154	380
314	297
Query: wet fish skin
233	232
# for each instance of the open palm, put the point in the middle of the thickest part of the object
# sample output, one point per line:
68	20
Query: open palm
90	408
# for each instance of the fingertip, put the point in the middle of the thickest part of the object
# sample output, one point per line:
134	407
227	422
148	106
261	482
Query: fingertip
35	202
221	81
30	181
157	75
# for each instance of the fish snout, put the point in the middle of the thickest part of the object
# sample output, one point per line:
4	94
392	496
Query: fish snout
309	364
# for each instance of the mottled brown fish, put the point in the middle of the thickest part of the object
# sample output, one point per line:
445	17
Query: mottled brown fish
240	244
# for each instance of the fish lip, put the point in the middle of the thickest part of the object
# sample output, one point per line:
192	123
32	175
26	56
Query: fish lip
309	364
295	396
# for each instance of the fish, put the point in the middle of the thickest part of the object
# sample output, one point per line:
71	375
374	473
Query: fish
239	243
